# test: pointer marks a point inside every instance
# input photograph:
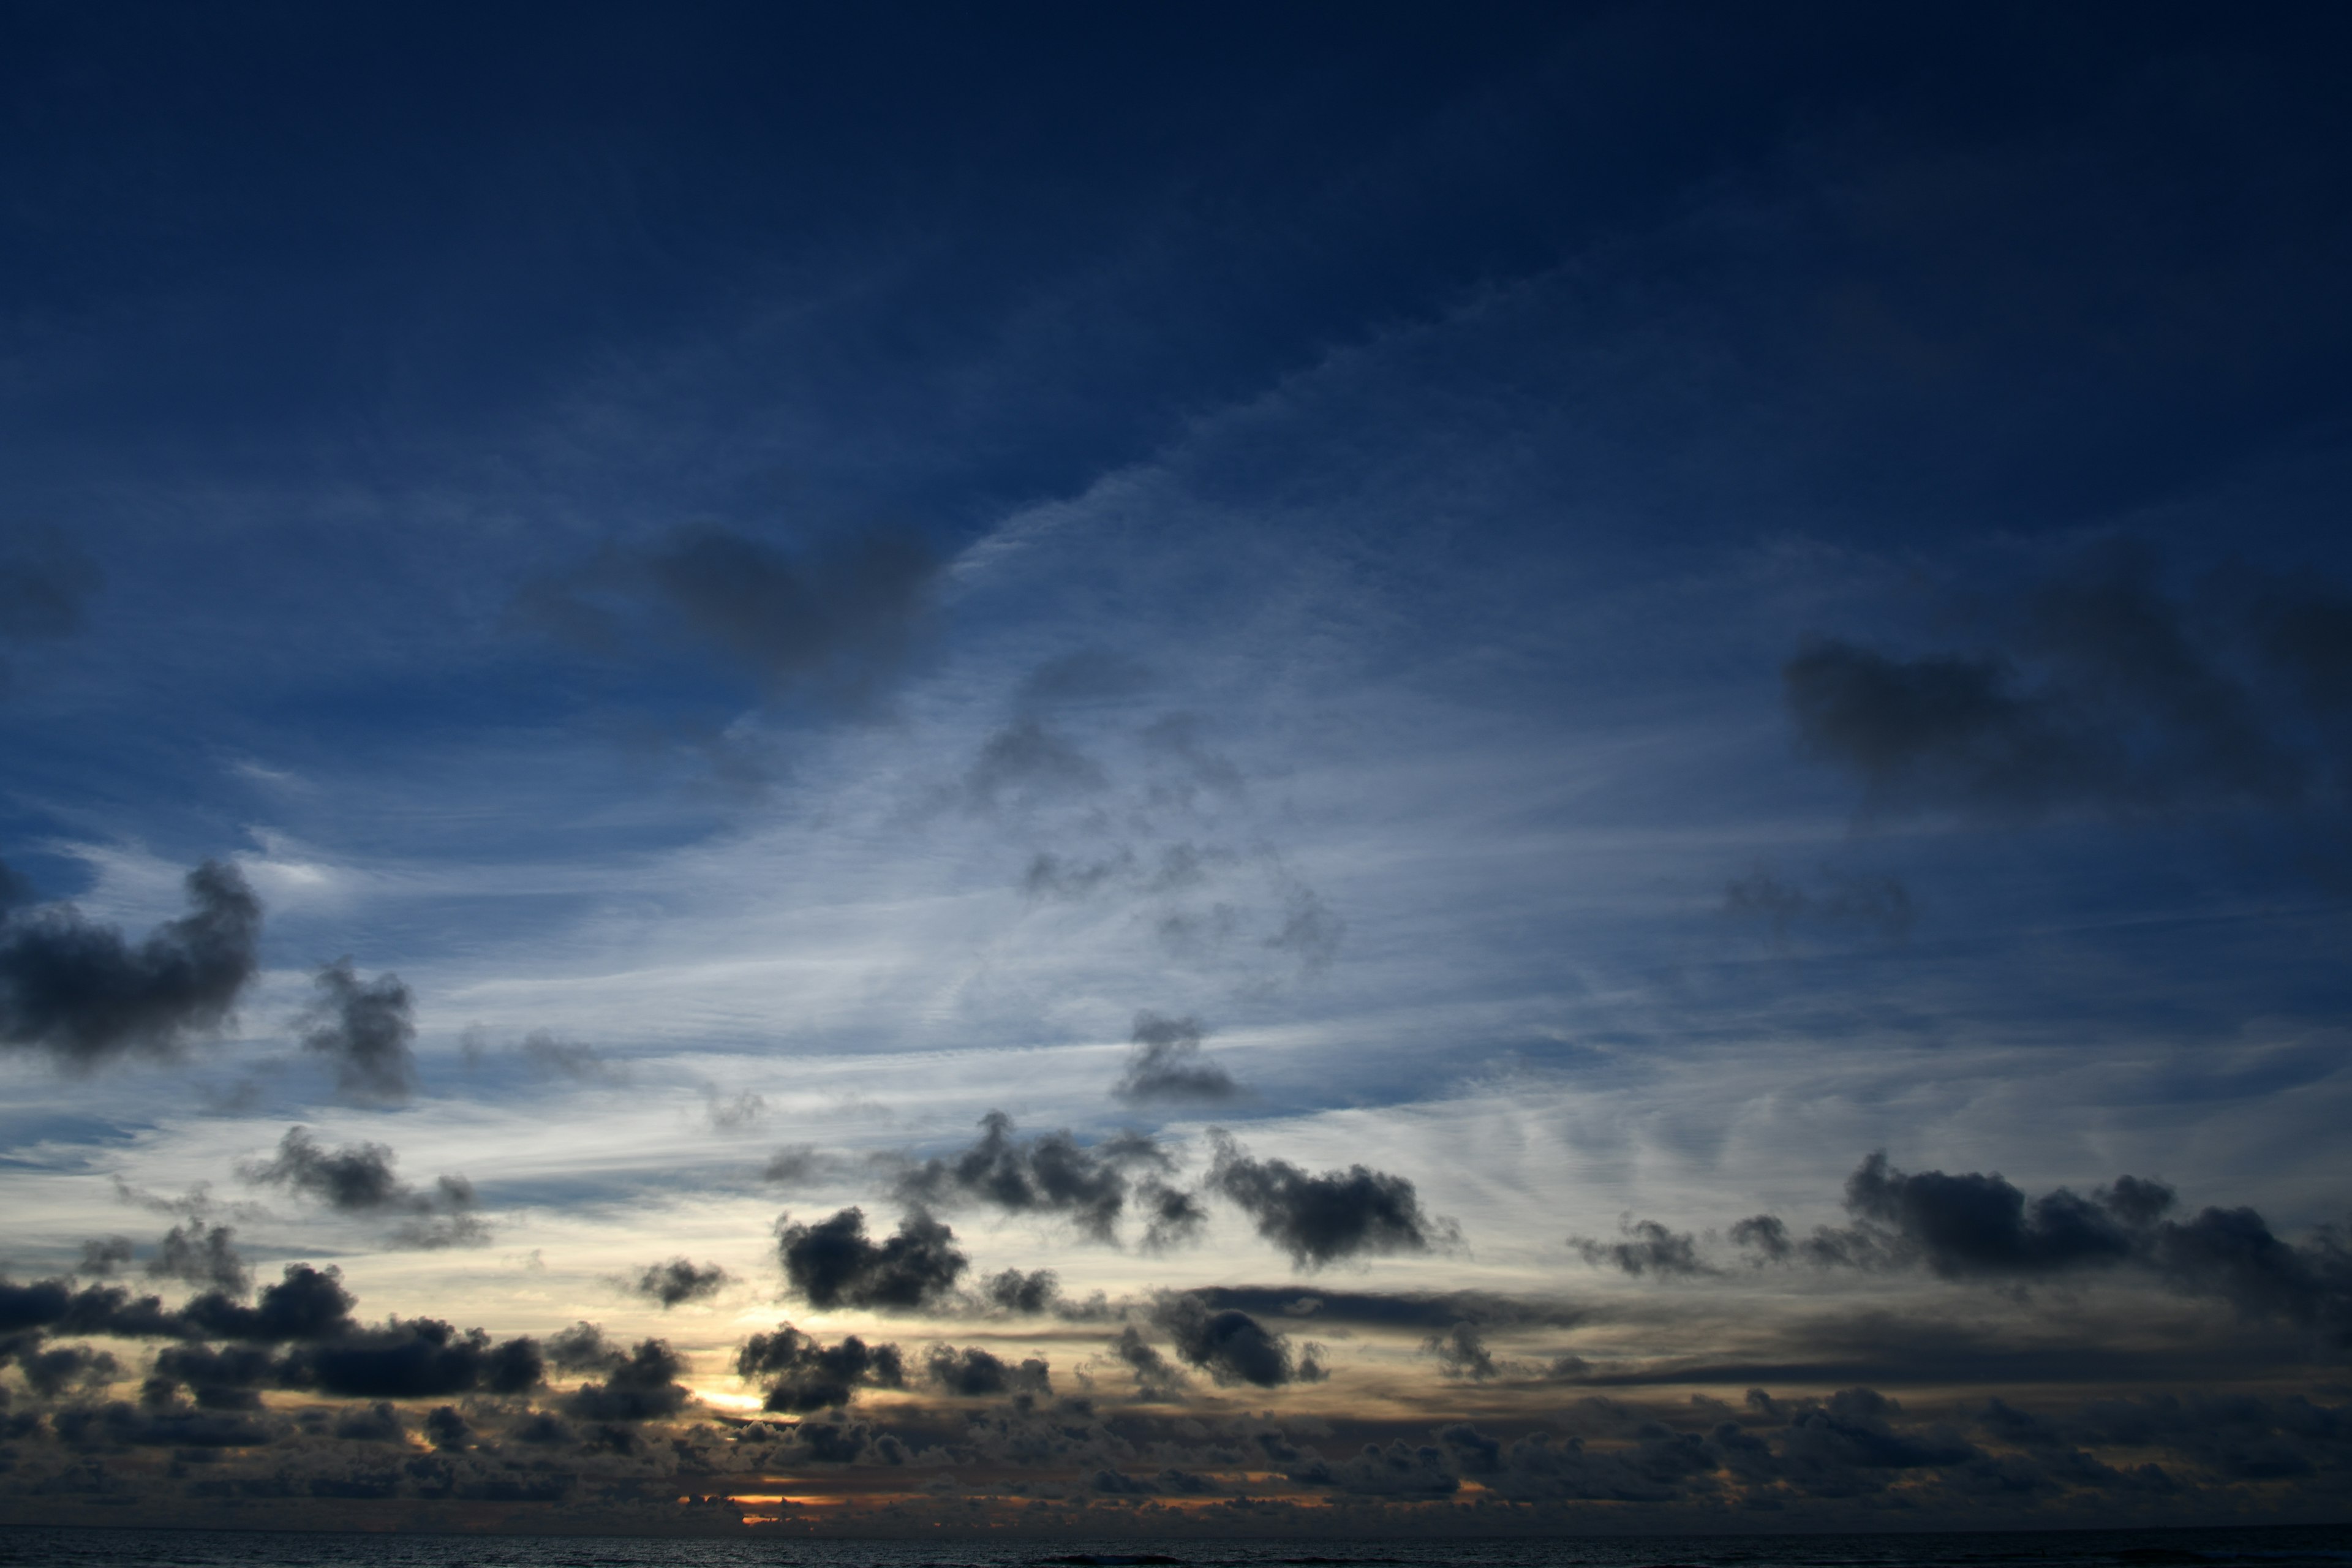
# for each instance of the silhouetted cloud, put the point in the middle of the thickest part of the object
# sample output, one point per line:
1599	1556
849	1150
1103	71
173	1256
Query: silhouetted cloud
1050	1173
1167	1066
1231	1346
1028	1294
2103	690
84	993
303	1304
836	620
807	1375
974	1374
359	1179
677	1281
363	1029
1321	1219
201	1256
641	1386
833	1264
1646	1247
1157	1378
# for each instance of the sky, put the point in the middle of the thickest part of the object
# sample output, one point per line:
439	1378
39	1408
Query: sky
1153	770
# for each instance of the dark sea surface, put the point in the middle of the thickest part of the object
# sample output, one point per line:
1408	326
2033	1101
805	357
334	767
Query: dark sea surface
2249	1548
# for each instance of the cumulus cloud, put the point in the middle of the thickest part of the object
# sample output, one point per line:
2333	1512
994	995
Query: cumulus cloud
1320	1219
1645	1247
975	1373
1230	1345
677	1281
836	620
1051	1174
833	1264
86	994
363	1029
2102	689
1167	1066
640	1386
804	1374
201	1255
359	1179
1157	1380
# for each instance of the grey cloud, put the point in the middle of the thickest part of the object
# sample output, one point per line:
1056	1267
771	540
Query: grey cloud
1177	738
553	1058
201	1256
1646	1247
2103	690
798	1165
1173	1216
1054	876
102	1257
837	621
87	995
1167	1066
975	1373
807	1375
1028	1294
1461	1352
1880	905
1311	930
1401	1309
640	1386
833	1263
1157	1379
45	584
679	1281
1322	1219
359	1179
363	1029
1027	760
1231	1346
1051	1174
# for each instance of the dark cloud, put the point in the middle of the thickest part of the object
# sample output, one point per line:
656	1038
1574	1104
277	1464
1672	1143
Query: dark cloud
304	1304
1172	1216
583	1347
201	1256
1051	1174
1231	1346
1311	930
446	1429
1401	1309
1321	1219
1461	1352
550	1056
641	1386
359	1179
677	1281
413	1358
1157	1379
836	622
1880	905
1054	876
1028	1294
833	1263
974	1374
103	1257
45	583
363	1029
1645	1246
2102	689
1166	1067
797	1165
376	1423
1026	760
87	995
805	1375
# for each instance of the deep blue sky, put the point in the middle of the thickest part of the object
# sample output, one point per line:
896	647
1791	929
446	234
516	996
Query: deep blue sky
1597	611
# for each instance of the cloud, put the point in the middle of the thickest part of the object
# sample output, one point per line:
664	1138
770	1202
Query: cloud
1028	1294
677	1281
974	1374
1461	1352
83	993
1027	759
201	1256
1880	905
808	1375
553	1058
1157	1380
102	1257
1322	1219
359	1179
1647	1247
363	1029
832	1264
1167	1066
641	1386
1231	1346
837	621
1051	1174
799	1165
2102	690
45	583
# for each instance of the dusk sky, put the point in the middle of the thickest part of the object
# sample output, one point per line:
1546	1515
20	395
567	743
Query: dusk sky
1121	768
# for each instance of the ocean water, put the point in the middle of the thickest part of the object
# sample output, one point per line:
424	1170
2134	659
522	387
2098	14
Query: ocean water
2267	1547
